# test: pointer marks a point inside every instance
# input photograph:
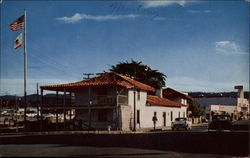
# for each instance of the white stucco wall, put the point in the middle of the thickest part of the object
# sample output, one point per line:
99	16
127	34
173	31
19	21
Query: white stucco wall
147	112
226	108
126	112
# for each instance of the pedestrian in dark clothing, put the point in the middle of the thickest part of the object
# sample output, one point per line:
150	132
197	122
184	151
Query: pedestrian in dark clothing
154	119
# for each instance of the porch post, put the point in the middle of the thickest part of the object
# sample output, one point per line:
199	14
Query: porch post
64	108
37	102
41	111
56	109
117	104
89	108
70	115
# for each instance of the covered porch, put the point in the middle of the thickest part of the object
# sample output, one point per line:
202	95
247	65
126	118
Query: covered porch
83	108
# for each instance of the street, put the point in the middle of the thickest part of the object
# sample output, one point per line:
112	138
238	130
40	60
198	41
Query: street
194	143
59	150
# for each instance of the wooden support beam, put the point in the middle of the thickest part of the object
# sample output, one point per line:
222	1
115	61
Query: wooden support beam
64	108
89	108
70	114
117	116
56	110
41	111
37	101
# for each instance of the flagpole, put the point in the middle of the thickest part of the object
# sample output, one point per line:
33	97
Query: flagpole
25	70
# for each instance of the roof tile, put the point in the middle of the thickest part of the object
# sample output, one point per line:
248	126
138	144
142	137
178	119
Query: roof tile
106	79
156	100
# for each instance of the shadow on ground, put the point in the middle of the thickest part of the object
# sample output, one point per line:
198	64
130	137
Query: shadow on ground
225	143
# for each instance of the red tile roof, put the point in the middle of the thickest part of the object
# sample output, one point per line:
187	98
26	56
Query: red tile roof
171	93
156	100
106	79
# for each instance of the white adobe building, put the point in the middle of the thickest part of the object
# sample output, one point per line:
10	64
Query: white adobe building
115	100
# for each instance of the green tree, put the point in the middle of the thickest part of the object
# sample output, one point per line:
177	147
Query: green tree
140	72
196	109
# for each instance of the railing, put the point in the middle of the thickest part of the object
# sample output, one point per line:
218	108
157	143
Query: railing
100	100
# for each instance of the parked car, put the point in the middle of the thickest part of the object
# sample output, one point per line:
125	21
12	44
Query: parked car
241	125
181	123
220	123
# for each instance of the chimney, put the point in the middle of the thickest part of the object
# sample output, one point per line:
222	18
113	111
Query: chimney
158	92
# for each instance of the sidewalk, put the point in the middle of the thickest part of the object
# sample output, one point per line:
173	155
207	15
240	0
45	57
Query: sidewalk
141	130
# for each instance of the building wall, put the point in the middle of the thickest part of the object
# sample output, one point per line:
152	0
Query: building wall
126	112
226	108
242	104
125	119
147	112
181	100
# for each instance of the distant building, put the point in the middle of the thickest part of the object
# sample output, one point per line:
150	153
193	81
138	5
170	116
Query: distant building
108	100
176	96
235	107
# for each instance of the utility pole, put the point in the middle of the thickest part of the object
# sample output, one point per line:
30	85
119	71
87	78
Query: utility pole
88	75
25	70
134	110
134	101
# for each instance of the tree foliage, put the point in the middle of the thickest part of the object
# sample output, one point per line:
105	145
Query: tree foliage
140	72
196	109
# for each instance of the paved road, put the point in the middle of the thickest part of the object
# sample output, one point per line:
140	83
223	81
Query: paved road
58	150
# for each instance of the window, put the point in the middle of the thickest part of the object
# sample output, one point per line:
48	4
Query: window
171	116
179	114
102	115
184	114
138	116
138	95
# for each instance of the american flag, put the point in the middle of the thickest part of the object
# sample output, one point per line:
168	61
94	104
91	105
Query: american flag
17	24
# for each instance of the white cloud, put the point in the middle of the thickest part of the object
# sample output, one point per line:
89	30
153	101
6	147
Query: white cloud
228	47
162	3
77	17
199	11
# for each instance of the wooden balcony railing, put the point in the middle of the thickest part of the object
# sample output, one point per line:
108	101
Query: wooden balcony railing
100	100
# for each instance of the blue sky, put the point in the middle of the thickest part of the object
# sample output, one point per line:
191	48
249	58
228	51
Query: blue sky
199	45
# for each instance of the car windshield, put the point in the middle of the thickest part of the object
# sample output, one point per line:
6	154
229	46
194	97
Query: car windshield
222	117
180	119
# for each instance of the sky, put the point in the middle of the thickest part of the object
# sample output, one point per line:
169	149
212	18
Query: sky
198	45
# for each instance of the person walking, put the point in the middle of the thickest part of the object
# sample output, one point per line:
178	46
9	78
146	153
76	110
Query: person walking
154	119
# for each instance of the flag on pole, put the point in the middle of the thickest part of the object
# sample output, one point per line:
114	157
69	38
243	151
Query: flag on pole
18	41
17	24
